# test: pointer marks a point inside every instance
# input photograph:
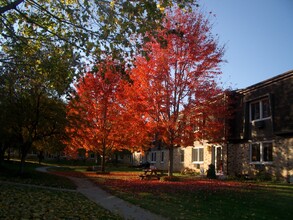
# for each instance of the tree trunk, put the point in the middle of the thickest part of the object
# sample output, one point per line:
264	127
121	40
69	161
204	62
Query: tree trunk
103	159
22	163
24	150
9	154
171	161
1	156
3	148
41	156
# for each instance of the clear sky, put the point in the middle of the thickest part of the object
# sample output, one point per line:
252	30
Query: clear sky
258	35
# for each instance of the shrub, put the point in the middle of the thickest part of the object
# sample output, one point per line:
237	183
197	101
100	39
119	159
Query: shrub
170	178
263	176
211	173
188	171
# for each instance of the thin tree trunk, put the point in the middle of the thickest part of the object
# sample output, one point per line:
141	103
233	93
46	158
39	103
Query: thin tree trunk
1	157
24	150
22	163
41	156
9	154
103	161
3	148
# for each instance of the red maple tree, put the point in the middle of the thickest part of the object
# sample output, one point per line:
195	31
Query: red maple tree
95	112
175	85
174	95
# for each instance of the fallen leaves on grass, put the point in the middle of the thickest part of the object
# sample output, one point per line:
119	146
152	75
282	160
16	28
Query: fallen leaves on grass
199	198
129	182
29	203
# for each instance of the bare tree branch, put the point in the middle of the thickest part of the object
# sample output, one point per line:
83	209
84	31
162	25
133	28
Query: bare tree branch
10	6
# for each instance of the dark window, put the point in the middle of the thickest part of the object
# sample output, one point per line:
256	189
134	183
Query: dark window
255	111
267	152
260	109
255	152
262	152
154	156
266	108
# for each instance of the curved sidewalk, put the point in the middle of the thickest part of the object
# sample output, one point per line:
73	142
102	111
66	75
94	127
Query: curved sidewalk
110	202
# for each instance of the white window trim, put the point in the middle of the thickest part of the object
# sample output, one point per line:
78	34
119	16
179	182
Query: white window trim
197	162
260	109
261	153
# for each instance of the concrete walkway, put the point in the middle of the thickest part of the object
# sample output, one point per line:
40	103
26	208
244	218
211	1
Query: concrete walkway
110	202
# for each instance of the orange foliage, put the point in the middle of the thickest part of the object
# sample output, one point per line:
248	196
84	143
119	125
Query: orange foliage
176	82
174	95
102	118
95	113
176	87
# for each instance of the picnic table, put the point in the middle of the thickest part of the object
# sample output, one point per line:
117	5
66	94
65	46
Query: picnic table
151	173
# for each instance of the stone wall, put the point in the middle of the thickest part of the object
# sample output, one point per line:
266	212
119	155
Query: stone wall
198	167
278	128
239	163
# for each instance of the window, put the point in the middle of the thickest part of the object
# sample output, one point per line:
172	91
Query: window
182	156
162	156
265	108
254	111
260	109
197	155
255	152
261	152
153	157
267	152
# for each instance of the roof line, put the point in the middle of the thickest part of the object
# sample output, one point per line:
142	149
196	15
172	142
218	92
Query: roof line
267	82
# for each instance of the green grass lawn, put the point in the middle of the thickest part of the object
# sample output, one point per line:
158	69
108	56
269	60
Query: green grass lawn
21	199
202	199
24	202
188	198
9	172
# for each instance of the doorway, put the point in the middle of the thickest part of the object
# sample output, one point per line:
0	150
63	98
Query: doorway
217	158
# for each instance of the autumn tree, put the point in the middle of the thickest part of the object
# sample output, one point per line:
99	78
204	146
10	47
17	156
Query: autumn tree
31	101
177	81
95	112
91	27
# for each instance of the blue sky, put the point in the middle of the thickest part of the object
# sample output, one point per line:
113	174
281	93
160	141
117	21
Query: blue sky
258	35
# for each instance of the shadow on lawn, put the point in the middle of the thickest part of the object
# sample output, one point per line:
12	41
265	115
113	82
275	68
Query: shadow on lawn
10	172
201	198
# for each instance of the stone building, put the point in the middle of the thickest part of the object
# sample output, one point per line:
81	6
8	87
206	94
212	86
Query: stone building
197	157
261	141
